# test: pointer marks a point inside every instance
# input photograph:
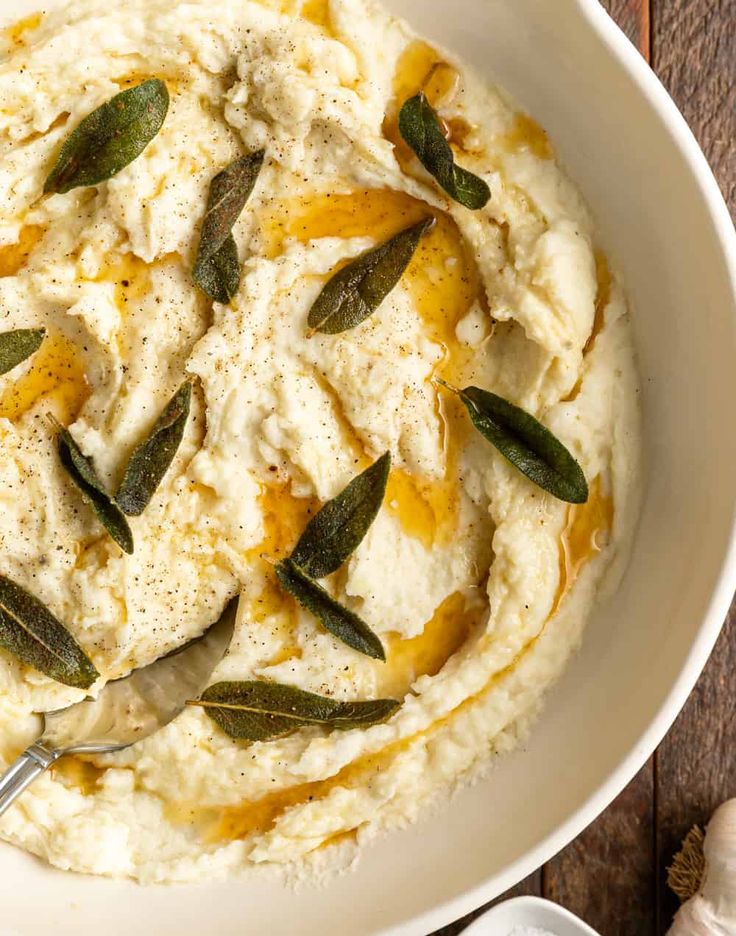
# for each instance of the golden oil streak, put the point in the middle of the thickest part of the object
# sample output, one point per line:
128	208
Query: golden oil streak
284	518
586	526
78	772
420	68
318	13
15	33
426	508
13	257
274	606
526	134
425	655
604	280
131	276
56	375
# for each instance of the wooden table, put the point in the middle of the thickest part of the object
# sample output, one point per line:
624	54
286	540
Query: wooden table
614	874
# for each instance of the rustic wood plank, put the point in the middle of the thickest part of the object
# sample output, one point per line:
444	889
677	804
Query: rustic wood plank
607	874
696	763
694	50
633	17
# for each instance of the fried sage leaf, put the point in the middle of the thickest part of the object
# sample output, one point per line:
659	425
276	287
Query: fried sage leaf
356	291
111	137
344	624
82	472
260	711
420	128
229	191
30	632
338	528
219	275
16	346
526	443
216	268
151	459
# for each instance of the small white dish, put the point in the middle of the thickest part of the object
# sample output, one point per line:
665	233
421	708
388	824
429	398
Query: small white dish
503	919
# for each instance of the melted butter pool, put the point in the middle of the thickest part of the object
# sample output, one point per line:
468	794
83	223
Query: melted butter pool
16	33
584	536
14	257
425	655
56	377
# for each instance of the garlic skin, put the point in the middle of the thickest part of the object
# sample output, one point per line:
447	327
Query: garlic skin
712	911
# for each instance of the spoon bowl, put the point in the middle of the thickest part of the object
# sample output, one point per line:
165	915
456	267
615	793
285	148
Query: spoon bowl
127	710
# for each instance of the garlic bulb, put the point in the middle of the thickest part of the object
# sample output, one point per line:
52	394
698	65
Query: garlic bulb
712	911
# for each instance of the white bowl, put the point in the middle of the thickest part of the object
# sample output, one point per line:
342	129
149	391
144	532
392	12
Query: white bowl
664	221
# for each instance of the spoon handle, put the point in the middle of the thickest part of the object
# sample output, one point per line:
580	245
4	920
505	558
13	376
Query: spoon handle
31	763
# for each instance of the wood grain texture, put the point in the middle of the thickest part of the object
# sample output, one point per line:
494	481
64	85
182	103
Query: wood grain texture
694	53
633	17
696	763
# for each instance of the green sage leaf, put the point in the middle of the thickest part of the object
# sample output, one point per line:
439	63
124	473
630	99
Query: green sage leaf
260	711
219	275
526	443
16	346
338	528
344	624
151	459
82	472
356	291
216	268
229	191
30	632
420	128
110	138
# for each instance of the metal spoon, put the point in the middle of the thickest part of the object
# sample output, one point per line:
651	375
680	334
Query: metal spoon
126	710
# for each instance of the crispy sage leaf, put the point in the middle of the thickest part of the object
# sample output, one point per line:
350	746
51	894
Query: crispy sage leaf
16	346
30	632
526	443
216	269
344	624
111	137
260	711
82	472
356	291
151	459
219	275
420	128
229	191
338	528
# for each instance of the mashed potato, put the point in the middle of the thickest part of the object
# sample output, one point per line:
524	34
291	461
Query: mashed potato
478	583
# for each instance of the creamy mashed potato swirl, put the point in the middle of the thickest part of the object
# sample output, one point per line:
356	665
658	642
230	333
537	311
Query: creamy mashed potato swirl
478	583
